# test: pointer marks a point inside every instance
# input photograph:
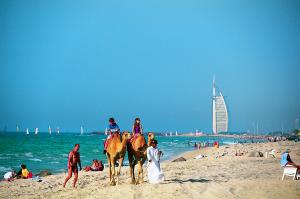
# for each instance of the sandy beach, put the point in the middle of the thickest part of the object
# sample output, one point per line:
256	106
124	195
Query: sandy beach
219	175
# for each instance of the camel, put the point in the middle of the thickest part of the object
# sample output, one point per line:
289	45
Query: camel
116	150
137	155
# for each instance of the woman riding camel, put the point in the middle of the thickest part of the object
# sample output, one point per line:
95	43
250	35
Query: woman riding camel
136	128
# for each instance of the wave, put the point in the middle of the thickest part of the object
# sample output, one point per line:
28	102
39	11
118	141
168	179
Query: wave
4	169
35	160
54	162
29	154
61	170
4	158
228	142
11	154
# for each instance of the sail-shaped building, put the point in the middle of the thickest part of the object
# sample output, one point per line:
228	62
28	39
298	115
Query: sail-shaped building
219	113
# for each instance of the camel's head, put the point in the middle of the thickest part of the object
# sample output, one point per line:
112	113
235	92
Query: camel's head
126	135
151	136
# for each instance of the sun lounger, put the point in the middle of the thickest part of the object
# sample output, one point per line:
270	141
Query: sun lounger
290	171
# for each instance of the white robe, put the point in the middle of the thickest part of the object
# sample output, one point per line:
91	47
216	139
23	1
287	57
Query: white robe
155	174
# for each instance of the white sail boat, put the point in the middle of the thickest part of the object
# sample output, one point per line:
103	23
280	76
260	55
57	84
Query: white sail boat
81	130
17	128
36	131
27	131
49	129
57	130
171	134
176	133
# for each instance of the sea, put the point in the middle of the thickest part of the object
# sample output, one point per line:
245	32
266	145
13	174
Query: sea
50	152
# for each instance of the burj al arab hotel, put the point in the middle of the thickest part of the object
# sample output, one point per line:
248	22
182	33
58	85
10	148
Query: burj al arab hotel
219	113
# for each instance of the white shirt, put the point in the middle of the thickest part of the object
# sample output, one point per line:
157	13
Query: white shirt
8	175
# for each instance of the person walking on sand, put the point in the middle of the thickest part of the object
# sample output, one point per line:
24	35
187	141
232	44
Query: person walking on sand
155	174
73	161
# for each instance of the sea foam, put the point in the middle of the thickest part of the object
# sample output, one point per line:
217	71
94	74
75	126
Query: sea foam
35	160
29	154
5	169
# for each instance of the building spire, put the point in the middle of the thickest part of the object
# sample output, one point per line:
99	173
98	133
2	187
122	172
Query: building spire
214	86
214	127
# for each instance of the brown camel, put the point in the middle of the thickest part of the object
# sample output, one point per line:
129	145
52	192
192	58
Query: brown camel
137	155
116	149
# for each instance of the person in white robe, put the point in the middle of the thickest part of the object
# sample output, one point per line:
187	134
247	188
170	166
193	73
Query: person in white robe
155	174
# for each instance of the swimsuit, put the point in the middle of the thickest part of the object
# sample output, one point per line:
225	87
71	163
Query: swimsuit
74	168
75	159
25	173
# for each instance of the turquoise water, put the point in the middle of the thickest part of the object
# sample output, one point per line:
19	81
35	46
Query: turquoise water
50	152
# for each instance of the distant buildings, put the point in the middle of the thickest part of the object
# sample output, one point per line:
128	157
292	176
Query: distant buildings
219	113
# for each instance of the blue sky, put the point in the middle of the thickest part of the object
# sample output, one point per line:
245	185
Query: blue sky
72	63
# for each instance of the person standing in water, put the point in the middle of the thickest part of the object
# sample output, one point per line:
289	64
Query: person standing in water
73	161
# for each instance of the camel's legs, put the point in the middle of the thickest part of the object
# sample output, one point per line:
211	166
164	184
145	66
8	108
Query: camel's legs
140	172
131	164
109	166
112	162
119	169
142	163
133	170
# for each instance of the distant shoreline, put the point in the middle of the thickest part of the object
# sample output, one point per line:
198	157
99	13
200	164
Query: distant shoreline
227	136
244	136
